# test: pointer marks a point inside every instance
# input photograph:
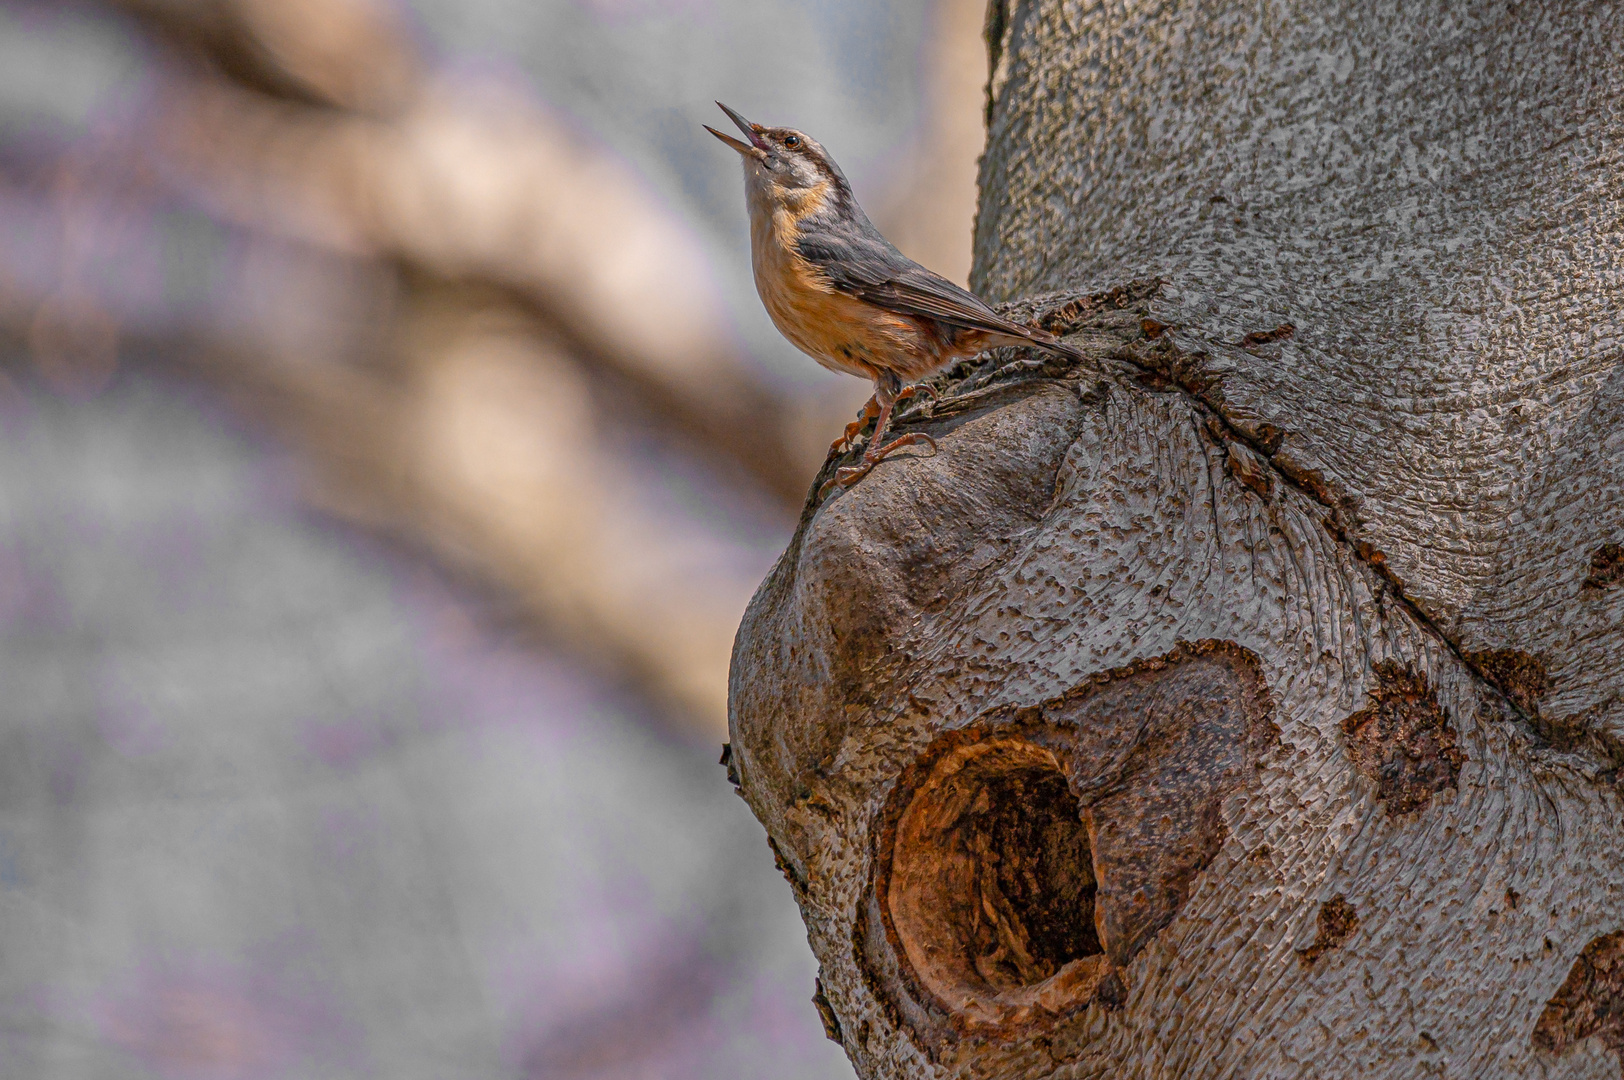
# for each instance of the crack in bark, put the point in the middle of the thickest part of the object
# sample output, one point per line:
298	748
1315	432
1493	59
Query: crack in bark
826	1013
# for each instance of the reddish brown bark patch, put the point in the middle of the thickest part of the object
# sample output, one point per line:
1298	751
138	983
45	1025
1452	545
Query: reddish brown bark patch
1080	311
1606	567
1403	740
1022	862
1268	437
1521	676
1282	332
1590	1001
1337	922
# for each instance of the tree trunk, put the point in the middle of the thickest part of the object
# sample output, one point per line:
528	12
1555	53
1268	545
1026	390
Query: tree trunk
1247	700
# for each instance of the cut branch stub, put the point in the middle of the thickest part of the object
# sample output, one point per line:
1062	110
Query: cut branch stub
1022	861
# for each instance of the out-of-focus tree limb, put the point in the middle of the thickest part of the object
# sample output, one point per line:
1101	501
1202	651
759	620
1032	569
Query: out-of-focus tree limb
930	207
484	446
488	453
443	413
491	190
350	54
473	185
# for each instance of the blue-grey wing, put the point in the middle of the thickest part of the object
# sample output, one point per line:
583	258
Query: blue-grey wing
862	263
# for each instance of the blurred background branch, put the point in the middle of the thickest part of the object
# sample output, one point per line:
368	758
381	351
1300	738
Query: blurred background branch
478	280
480	294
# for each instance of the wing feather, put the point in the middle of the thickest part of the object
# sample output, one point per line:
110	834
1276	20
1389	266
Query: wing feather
862	263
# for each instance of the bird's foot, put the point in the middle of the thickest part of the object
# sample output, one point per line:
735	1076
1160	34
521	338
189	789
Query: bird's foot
845	477
844	443
848	475
855	428
913	438
917	390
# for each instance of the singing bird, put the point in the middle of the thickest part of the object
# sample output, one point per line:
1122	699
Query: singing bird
842	294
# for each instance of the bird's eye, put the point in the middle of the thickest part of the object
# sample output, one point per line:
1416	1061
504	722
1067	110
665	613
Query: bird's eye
792	141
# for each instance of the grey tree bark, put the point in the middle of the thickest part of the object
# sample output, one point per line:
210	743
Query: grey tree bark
1247	701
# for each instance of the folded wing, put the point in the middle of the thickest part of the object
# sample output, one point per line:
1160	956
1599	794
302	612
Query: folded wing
862	263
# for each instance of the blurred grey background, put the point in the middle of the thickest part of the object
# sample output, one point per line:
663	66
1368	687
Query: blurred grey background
390	439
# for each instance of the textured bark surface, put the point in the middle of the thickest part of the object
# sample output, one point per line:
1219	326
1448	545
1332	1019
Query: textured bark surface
1427	193
1281	642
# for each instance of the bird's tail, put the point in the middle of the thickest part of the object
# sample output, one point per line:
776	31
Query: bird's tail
1041	339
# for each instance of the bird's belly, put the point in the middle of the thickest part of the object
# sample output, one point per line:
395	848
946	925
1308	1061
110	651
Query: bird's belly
841	332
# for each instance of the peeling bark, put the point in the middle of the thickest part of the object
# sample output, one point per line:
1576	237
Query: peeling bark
1244	699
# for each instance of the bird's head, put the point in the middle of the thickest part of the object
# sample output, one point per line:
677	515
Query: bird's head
784	167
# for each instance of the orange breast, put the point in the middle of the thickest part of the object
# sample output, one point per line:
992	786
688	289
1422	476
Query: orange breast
838	331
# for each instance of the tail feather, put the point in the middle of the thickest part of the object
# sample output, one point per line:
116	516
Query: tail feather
1041	339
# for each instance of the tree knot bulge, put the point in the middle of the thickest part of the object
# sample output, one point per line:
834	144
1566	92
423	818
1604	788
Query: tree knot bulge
1022	861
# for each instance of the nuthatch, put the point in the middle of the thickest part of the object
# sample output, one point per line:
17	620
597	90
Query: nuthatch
843	295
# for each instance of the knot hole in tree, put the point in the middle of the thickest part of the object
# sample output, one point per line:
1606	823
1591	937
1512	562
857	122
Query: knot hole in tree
1023	860
992	879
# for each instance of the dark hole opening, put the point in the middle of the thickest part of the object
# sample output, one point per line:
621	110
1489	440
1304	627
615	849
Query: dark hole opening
990	888
1034	882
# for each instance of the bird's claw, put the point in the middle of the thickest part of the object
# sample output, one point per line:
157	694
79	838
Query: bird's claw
914	389
847	475
913	438
917	390
848	438
844	443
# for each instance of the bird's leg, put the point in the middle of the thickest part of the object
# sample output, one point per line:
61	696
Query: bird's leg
870	411
877	450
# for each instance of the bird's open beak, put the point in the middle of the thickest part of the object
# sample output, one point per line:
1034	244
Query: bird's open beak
755	148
